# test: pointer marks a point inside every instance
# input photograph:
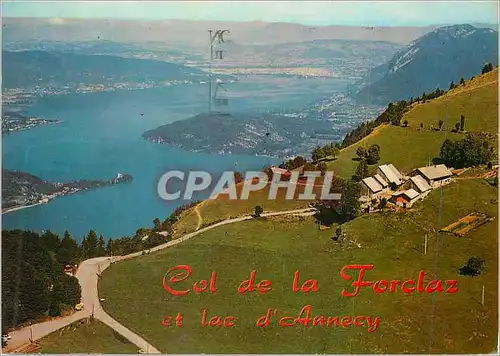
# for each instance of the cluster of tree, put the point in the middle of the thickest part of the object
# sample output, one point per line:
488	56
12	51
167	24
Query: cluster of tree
488	67
471	151
293	163
473	267
321	152
453	85
146	238
460	126
428	96
92	246
370	155
33	280
300	161
366	157
344	210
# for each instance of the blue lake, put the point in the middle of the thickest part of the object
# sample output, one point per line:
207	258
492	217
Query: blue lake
101	136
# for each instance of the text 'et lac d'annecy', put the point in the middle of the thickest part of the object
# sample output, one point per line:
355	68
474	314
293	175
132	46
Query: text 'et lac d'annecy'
304	317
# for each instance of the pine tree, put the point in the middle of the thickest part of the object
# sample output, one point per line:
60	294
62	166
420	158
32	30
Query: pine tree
109	247
84	249
93	244
67	253
157	224
349	204
101	249
361	171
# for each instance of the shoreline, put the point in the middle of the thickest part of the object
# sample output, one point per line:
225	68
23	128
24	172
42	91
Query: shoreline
10	210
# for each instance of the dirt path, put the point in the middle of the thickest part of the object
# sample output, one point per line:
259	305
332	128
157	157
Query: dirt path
200	219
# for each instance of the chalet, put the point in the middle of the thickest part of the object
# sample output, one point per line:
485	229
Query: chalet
434	175
419	184
390	174
405	198
371	188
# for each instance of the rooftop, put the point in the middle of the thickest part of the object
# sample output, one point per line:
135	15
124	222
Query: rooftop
372	184
435	172
279	170
391	173
411	193
381	180
420	183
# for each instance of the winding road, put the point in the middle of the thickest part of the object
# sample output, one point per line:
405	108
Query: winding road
87	276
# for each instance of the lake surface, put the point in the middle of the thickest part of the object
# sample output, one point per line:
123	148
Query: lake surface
101	136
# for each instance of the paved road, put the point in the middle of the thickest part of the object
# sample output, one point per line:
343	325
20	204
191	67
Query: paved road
87	275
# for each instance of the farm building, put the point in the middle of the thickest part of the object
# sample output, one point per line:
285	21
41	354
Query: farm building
419	184
390	174
381	180
372	188
405	198
434	175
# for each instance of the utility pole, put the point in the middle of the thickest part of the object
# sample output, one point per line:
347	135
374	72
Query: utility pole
482	297
425	245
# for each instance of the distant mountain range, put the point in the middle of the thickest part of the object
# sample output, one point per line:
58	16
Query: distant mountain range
434	60
29	68
195	33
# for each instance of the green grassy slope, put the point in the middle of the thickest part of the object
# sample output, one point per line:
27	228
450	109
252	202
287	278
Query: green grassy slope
393	242
409	147
92	337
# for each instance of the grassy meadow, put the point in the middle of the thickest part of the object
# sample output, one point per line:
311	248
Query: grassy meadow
89	337
277	247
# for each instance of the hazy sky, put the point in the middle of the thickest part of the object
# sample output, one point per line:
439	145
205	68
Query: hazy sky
306	12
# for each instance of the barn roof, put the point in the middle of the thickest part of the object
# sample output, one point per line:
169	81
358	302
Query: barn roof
435	172
395	170
372	184
420	183
381	180
391	173
411	193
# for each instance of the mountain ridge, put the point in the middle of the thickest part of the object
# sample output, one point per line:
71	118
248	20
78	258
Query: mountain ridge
433	60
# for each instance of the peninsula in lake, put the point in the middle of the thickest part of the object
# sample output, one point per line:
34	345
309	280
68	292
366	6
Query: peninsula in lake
22	190
238	133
